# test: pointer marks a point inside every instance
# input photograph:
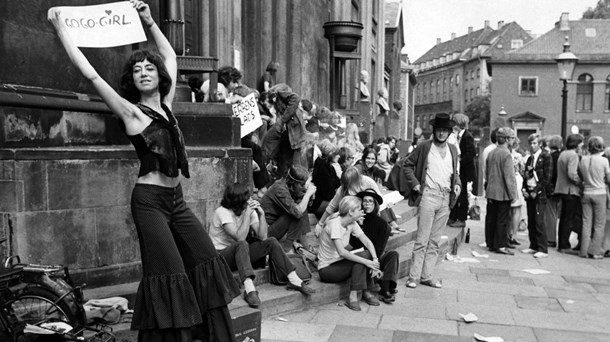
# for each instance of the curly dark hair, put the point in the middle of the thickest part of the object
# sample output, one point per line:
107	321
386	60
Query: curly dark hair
228	74
128	89
235	197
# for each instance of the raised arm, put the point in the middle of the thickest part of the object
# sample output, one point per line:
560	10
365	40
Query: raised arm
118	105
165	48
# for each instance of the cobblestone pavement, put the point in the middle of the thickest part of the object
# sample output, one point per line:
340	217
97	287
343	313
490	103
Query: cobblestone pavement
569	303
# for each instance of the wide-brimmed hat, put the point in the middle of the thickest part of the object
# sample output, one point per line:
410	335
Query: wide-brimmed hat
372	193
442	120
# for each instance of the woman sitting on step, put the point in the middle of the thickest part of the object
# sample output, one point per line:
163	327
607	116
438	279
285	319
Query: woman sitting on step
336	263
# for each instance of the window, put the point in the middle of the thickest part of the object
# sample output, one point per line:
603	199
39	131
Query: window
472	75
528	86
584	93
471	94
450	87
478	73
607	102
425	94
516	43
457	80
438	90
466	95
478	91
431	92
445	89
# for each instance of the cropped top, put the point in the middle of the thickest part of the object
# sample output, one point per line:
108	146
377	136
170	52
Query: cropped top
160	146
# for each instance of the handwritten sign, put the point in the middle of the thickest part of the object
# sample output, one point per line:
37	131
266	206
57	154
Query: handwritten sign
247	111
106	25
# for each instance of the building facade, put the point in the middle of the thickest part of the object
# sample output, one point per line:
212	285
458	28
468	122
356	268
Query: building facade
527	89
451	74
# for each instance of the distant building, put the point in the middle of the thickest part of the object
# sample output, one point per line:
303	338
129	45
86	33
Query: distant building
453	73
527	86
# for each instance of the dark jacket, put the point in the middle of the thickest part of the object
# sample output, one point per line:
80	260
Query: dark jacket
544	172
289	114
377	230
415	168
550	190
468	172
324	177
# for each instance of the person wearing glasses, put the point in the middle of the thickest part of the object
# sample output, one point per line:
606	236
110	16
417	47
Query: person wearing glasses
433	184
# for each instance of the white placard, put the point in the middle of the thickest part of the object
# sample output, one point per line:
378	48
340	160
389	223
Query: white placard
247	111
106	25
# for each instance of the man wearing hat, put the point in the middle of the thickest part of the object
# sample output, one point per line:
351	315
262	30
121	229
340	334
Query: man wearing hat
378	231
433	184
500	190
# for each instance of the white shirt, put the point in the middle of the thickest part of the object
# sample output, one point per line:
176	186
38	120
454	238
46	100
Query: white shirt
439	169
220	238
333	230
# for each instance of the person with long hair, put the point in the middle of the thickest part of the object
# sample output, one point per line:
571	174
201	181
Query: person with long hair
378	231
285	205
186	284
267	80
368	165
238	230
324	177
554	144
336	263
352	140
595	171
516	205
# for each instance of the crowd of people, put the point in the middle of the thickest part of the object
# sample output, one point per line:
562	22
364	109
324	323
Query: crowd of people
562	189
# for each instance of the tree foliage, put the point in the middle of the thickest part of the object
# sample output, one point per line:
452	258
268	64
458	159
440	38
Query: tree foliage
601	11
478	111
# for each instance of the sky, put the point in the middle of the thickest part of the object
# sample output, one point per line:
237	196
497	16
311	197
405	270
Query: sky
427	20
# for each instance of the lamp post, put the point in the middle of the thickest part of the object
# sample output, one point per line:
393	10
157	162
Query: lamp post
566	61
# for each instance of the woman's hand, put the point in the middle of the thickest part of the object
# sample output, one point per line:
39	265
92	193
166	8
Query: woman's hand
53	15
144	12
372	264
318	229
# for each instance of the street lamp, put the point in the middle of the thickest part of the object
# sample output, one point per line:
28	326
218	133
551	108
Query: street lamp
565	63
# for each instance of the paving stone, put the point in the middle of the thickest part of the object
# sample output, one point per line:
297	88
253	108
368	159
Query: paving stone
486	313
507	332
538	303
407	336
557	282
412	308
358	334
603	297
489	271
562	294
556	320
589	280
585	307
602	288
428	293
302	332
554	335
509	289
347	317
484	298
423	325
487	278
301	316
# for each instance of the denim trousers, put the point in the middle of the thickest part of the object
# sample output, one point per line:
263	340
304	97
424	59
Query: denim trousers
496	224
358	274
433	214
241	255
593	224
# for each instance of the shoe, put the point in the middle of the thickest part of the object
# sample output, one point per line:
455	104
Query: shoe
304	289
567	251
596	256
395	290
510	245
528	251
450	222
432	283
353	305
577	247
540	255
252	299
458	224
552	244
387	297
514	242
607	254
370	300
505	251
411	283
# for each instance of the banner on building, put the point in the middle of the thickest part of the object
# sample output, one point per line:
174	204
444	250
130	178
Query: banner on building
100	26
247	112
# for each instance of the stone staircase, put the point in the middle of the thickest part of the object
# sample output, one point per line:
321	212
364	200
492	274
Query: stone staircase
278	300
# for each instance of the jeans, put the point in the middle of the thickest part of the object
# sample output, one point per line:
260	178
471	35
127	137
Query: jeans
432	218
593	224
388	264
292	227
535	224
358	274
241	255
550	218
570	219
496	224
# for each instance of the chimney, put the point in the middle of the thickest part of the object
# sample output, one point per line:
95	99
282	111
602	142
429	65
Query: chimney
500	24
452	35
564	22
469	29
438	41
486	24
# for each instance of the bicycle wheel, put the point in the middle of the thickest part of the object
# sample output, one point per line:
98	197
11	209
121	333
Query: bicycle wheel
36	304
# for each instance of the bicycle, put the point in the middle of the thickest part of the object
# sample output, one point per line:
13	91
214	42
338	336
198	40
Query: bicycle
35	295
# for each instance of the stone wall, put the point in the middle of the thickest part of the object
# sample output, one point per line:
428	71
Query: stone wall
71	205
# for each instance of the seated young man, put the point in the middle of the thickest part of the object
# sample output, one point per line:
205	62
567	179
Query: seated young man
238	218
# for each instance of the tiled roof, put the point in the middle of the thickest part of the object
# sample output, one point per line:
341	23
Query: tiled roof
502	44
459	44
589	40
392	13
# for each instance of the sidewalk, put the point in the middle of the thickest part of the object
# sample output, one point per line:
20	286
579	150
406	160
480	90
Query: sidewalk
571	303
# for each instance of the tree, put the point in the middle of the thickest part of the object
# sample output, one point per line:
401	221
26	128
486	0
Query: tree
601	11
478	111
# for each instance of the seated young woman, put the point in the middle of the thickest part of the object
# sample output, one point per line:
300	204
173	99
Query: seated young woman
378	231
336	263
324	177
238	219
367	165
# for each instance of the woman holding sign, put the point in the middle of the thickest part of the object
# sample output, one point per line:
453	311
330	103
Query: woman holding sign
186	285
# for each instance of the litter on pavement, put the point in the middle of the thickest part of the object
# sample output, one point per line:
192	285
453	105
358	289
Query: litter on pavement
488	339
469	317
536	271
